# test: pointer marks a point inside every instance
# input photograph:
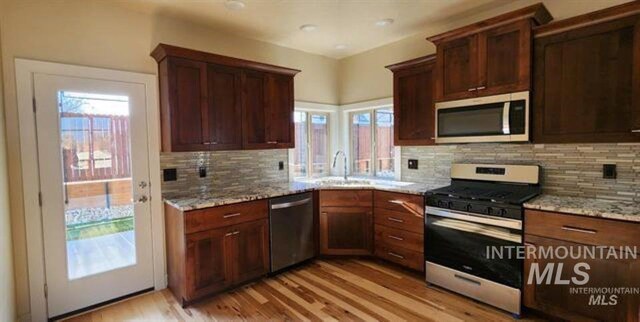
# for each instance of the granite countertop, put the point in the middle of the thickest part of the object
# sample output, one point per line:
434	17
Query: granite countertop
612	209
195	201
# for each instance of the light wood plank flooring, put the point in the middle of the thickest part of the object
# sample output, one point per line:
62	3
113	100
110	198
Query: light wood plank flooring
336	289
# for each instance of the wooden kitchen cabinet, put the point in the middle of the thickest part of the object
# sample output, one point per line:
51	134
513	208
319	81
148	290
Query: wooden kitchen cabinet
399	228
183	84
224	107
587	78
269	109
212	102
413	101
346	228
489	57
548	229
213	249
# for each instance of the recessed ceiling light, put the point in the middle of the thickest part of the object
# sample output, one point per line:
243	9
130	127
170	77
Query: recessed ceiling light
308	28
234	4
384	22
340	46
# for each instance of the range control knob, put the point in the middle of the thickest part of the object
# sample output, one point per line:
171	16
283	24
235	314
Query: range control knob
503	212
450	204
469	207
489	211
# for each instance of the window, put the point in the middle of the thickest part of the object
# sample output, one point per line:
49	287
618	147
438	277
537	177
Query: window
372	150
311	154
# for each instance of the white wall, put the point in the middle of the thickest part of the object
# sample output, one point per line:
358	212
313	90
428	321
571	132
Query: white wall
7	298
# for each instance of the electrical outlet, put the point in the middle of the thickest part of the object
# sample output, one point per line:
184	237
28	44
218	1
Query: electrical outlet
170	174
609	171
281	165
202	171
413	164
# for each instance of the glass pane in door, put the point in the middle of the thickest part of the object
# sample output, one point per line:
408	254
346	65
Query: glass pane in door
98	194
384	143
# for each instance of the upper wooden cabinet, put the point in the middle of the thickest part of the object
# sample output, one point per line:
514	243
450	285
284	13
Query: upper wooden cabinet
489	57
413	101
587	78
213	102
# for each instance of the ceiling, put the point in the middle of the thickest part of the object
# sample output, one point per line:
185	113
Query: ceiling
348	22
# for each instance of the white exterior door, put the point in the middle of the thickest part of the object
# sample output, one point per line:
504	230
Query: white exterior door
94	174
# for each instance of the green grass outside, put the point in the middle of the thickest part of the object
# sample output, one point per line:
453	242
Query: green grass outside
95	229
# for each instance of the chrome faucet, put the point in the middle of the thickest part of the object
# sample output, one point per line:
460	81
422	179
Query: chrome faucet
335	158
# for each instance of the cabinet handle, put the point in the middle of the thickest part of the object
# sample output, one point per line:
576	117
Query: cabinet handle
206	143
395	219
395	255
481	88
272	142
231	215
466	279
232	233
214	142
395	237
579	230
635	131
397	202
472	89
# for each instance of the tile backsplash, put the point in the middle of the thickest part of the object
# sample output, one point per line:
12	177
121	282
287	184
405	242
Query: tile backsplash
226	170
568	169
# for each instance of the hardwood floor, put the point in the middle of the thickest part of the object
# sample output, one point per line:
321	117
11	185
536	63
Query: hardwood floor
336	289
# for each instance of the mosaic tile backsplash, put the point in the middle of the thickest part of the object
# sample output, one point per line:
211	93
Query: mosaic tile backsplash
226	170
568	169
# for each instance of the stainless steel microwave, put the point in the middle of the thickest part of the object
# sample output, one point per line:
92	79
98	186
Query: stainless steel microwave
498	118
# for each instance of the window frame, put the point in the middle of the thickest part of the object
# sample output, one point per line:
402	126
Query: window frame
374	139
310	174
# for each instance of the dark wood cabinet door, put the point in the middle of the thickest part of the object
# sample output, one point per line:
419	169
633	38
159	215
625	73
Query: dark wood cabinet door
504	63
557	300
587	84
346	230
208	266
414	105
252	250
457	71
186	110
255	110
224	108
280	127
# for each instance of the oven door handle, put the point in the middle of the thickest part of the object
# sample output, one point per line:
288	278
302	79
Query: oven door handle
476	218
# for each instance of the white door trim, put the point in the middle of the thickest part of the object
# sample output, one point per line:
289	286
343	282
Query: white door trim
30	180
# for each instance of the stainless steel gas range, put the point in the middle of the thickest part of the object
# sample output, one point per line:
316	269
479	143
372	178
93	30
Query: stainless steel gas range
480	210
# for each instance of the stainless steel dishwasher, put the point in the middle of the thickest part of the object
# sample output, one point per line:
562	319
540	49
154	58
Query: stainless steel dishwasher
291	230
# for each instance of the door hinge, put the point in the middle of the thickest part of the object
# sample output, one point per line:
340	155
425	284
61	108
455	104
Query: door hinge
46	290
33	100
40	199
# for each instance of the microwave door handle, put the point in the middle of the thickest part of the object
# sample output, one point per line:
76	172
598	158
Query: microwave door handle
506	127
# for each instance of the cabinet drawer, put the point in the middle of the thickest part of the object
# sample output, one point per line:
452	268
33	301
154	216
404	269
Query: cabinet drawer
581	229
205	219
346	198
400	238
399	220
399	255
400	202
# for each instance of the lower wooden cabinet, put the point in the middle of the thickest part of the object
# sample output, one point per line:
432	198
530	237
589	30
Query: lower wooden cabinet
346	230
209	261
346	222
557	299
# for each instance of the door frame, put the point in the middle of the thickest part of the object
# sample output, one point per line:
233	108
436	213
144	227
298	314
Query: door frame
25	69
